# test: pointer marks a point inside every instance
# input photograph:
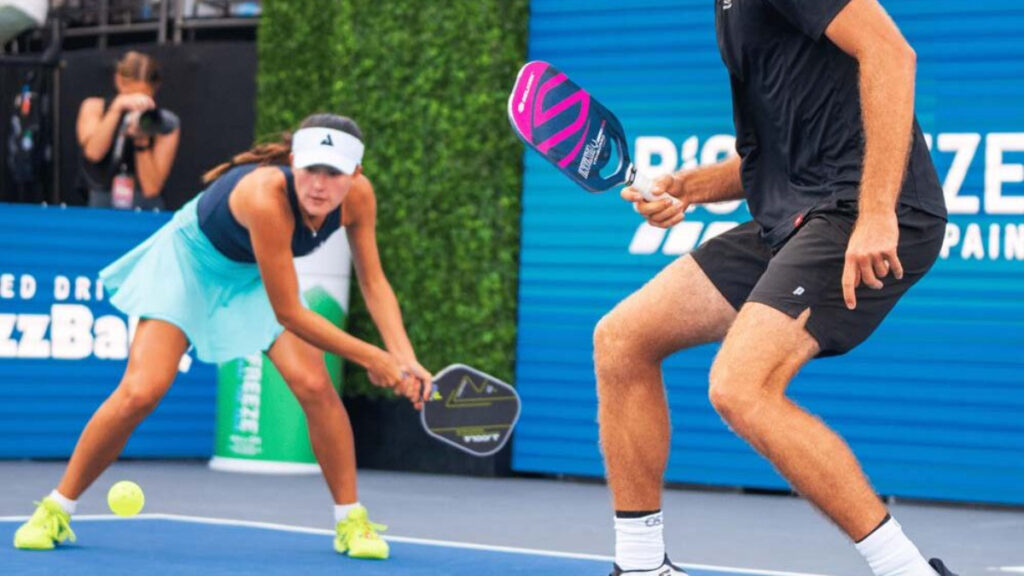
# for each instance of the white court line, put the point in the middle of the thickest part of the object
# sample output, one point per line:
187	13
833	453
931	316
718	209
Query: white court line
420	541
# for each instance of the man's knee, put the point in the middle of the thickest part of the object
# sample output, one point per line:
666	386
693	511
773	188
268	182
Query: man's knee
614	348
736	394
761	355
604	335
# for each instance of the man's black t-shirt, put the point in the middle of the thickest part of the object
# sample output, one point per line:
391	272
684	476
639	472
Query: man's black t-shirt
796	107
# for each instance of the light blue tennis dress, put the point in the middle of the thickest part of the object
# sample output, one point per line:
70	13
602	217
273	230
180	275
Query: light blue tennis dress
199	273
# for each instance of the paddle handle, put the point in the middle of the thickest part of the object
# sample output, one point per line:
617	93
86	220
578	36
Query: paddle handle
645	185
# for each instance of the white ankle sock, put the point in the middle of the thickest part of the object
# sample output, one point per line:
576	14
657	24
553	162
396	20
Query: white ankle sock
67	504
639	544
341	511
889	552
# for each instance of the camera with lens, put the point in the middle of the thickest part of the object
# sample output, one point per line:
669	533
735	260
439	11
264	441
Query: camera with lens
158	121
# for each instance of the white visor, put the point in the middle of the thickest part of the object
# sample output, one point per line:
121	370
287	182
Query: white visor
326	147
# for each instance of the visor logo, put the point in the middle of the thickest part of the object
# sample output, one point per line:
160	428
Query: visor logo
327	141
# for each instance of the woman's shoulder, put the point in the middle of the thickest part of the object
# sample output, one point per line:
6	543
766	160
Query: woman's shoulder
263	187
362	189
260	196
360	201
260	177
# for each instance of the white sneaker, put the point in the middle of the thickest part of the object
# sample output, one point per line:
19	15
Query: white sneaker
667	568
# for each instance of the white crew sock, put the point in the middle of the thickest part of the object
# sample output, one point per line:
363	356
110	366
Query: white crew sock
341	511
889	552
67	504
639	544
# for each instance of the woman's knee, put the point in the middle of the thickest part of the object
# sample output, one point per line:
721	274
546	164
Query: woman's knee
139	395
313	387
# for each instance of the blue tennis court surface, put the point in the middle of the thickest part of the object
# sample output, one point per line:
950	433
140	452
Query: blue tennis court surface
169	545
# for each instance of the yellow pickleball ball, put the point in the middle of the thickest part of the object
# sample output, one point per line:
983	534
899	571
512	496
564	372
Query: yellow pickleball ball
125	498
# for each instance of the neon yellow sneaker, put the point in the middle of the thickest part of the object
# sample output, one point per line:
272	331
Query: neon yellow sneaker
49	525
357	536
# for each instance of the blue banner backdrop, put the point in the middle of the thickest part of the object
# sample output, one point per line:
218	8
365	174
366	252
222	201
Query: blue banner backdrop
63	348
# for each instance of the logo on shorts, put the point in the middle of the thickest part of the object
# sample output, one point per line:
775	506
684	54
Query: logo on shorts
799	291
726	4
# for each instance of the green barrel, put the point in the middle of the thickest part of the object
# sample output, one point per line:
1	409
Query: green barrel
260	426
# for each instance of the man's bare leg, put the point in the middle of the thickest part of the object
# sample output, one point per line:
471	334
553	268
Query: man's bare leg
763	351
678	308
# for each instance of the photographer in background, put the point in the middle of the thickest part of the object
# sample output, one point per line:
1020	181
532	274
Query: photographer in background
128	144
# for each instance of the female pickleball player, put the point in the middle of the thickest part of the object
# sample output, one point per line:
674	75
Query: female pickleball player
220	276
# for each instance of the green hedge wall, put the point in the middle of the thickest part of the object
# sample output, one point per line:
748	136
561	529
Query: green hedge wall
298	62
428	83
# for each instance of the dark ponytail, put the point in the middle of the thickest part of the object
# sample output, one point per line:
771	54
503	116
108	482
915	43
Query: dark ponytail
278	153
273	153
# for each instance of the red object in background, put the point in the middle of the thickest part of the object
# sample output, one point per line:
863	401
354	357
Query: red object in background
26	102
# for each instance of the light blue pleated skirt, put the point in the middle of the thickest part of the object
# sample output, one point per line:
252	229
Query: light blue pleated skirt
176	275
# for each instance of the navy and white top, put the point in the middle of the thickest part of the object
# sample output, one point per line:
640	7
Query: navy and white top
232	239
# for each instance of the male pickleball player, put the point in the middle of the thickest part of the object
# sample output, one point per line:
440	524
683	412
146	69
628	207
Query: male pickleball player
847	215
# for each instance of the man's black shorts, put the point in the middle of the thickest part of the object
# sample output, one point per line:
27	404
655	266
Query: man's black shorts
806	271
